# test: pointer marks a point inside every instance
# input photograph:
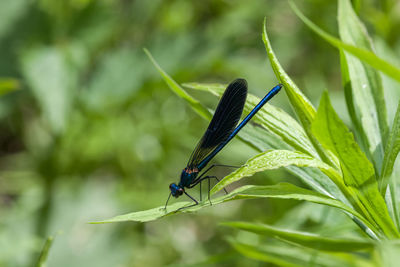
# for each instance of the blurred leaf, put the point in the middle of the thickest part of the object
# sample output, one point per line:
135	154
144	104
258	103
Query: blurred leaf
196	105
254	252
270	160
358	172
290	256
363	54
10	12
114	83
367	98
280	191
8	85
45	252
270	117
51	79
389	253
305	239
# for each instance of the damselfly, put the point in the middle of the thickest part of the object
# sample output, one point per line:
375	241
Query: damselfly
220	131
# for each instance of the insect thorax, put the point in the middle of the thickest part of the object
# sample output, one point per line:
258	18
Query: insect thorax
188	176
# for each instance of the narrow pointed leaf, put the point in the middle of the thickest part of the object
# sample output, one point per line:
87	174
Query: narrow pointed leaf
301	105
45	252
363	54
254	252
279	191
174	86
367	98
283	255
358	172
305	239
391	151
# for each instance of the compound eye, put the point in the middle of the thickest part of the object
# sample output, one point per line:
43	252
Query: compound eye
170	186
180	191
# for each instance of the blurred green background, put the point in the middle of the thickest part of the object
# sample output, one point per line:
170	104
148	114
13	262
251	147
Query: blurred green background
93	131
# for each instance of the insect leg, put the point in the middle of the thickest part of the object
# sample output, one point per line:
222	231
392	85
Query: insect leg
217	165
198	180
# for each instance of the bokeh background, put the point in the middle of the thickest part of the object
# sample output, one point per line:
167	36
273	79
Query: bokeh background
92	131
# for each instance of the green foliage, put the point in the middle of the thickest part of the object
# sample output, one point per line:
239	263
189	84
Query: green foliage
89	129
323	142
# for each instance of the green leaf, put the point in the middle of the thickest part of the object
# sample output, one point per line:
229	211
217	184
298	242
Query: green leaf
391	151
174	86
114	70
8	85
271	160
52	80
358	172
365	86
262	140
363	54
10	13
45	252
281	255
270	117
389	253
388	177
301	105
280	191
256	253
305	239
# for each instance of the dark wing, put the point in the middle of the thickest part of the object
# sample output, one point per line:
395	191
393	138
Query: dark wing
224	121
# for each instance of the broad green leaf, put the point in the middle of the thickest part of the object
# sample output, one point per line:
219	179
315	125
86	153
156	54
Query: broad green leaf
361	53
8	85
280	191
174	86
365	86
45	252
271	160
281	255
270	117
52	80
305	239
358	172
301	105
